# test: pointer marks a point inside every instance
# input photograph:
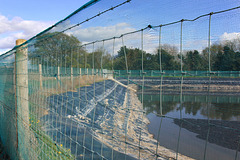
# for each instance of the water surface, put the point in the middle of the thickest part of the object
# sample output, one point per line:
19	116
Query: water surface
198	126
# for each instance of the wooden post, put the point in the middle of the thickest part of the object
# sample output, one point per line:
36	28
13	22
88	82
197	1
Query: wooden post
80	72
111	74
40	76
58	76
58	73
21	59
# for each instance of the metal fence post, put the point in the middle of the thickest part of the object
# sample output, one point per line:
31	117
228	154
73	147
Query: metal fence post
21	59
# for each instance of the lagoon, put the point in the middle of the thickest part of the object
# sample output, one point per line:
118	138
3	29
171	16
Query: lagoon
186	126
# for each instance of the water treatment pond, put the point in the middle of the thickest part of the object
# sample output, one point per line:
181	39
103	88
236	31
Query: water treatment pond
192	130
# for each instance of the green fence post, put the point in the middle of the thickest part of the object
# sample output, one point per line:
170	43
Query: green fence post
21	59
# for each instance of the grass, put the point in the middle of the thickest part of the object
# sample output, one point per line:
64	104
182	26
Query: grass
44	145
51	85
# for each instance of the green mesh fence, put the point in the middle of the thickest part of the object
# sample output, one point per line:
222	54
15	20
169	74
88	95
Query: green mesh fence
176	73
126	80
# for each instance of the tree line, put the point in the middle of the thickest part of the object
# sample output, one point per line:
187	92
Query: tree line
59	49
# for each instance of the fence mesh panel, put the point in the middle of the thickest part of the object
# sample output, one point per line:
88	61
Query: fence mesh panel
126	80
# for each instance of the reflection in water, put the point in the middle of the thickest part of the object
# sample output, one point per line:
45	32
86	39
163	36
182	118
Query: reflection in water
221	131
229	109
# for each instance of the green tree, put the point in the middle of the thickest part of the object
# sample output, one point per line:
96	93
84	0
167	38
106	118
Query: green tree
101	59
193	61
237	65
233	44
134	59
150	61
58	49
224	56
227	61
215	49
168	61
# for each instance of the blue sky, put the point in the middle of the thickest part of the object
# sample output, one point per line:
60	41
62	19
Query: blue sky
39	10
26	18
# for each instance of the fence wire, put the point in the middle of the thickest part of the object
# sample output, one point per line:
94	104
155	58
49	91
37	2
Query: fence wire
124	89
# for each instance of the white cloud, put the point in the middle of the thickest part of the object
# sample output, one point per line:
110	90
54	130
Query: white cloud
229	36
231	39
98	33
4	50
16	28
198	45
7	42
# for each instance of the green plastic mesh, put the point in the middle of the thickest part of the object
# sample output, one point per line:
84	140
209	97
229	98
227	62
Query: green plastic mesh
126	80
